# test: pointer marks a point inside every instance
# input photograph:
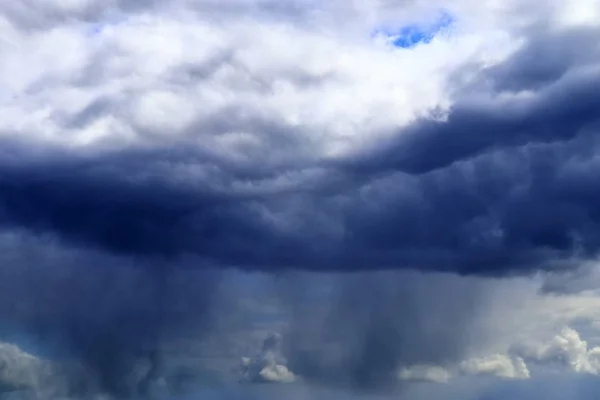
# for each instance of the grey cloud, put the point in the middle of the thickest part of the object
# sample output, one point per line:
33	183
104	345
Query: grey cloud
510	209
500	185
566	350
519	207
546	59
29	16
572	282
359	330
563	109
103	315
268	365
19	370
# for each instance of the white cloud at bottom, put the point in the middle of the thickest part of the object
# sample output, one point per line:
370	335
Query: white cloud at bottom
268	366
566	352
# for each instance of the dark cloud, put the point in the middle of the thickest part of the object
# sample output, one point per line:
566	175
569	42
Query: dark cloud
512	208
106	322
505	183
359	329
482	122
136	240
52	14
521	207
545	59
26	16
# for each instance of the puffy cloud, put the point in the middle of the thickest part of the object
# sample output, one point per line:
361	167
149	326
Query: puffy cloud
499	365
268	365
425	373
495	365
358	330
224	142
110	317
566	350
143	142
18	370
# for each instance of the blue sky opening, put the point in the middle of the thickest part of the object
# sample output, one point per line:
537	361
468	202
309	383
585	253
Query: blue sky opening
412	35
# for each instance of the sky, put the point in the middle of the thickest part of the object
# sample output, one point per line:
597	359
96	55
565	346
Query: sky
411	35
345	199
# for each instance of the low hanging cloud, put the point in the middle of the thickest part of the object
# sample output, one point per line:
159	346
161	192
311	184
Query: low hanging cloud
566	350
482	174
148	148
425	373
268	365
18	369
498	365
358	330
108	317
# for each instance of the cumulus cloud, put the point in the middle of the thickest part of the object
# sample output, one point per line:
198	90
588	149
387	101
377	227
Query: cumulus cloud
495	365
18	369
499	365
147	147
565	353
359	329
267	366
338	152
108	316
566	350
425	373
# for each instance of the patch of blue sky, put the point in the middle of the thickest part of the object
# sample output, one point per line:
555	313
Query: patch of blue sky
411	35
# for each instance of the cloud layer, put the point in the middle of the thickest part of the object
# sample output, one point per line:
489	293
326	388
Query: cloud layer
163	133
147	149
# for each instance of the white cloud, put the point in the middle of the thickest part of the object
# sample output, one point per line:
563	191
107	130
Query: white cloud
499	365
425	373
496	365
580	13
19	370
230	78
268	365
340	91
566	350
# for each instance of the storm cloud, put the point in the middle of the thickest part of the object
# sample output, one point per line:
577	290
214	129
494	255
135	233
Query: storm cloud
360	329
148	149
502	182
484	191
107	323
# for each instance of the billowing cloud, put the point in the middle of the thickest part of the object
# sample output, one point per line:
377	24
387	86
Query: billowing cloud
170	134
147	148
18	370
358	330
425	373
566	350
497	365
268	365
108	316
